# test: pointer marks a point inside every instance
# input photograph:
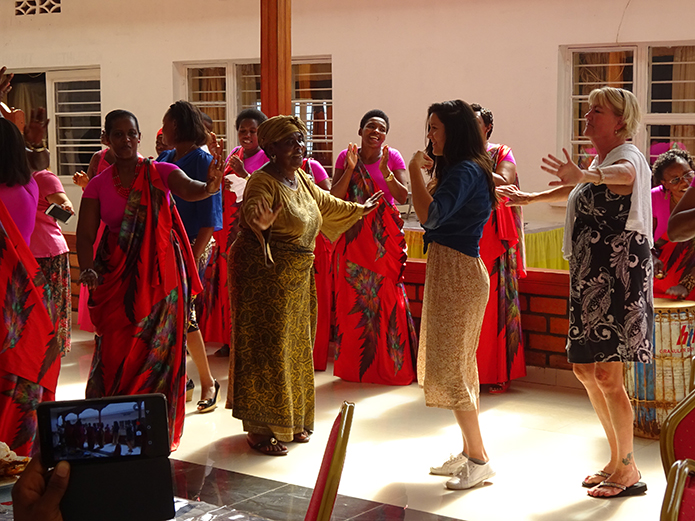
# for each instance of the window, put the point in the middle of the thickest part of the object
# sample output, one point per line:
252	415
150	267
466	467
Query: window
661	77
210	89
207	90
74	111
312	101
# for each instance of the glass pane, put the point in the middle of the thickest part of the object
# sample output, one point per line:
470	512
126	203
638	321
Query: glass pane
593	70
583	154
72	158
312	101
78	124
672	84
207	90
664	137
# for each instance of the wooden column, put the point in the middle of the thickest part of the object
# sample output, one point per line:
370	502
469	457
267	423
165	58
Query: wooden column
276	57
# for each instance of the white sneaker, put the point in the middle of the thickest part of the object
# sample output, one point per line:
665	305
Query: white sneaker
451	466
470	475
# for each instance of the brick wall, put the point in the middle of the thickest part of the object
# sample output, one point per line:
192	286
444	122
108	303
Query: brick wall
543	297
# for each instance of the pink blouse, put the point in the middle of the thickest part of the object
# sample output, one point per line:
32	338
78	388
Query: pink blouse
21	202
395	162
47	239
112	205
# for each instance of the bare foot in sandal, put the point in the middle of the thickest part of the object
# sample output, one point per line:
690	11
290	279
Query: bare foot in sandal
267	445
627	480
596	478
302	437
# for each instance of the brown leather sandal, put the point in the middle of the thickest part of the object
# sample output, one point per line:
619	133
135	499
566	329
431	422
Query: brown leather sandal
267	447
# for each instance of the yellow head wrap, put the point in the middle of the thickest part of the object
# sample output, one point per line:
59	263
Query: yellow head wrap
277	128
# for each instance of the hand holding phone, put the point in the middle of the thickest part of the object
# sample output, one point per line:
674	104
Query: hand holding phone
58	213
117	447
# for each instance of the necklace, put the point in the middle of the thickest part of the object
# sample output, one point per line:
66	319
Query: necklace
120	189
291	182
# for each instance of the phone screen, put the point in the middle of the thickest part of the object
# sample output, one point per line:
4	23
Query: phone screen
103	429
58	213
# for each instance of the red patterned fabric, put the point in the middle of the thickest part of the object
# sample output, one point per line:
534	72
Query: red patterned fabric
500	350
375	339
29	348
140	307
323	258
212	309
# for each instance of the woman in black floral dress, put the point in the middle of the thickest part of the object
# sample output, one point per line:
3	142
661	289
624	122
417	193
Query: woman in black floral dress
608	238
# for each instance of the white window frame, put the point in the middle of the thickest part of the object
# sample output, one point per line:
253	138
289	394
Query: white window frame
641	79
53	77
181	85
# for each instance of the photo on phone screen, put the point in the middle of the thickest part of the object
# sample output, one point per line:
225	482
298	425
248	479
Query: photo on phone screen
92	430
58	213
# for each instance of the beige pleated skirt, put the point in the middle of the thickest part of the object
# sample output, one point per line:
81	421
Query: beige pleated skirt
456	292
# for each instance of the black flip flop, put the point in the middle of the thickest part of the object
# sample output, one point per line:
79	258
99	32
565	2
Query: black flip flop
262	447
635	490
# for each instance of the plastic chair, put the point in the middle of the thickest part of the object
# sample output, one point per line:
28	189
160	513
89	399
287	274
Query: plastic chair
326	489
677	440
679	499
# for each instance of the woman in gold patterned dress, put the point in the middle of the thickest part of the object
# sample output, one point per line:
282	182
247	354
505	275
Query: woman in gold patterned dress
273	297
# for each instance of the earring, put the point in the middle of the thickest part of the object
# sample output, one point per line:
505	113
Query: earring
273	158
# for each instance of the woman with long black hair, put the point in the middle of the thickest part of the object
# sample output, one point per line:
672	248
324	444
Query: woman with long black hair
453	208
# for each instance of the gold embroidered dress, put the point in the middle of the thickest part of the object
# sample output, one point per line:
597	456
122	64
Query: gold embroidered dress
273	304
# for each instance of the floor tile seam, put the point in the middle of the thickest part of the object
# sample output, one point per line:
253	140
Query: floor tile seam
366	511
250	498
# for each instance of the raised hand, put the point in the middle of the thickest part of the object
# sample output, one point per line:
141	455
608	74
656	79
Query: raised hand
265	216
569	174
420	161
216	168
351	157
371	203
80	179
384	161
237	166
35	130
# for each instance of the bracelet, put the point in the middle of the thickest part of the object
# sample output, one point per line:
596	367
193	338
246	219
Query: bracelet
601	177
389	177
88	271
688	282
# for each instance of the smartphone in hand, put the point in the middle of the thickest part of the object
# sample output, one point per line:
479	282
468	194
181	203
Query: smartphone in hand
58	213
118	449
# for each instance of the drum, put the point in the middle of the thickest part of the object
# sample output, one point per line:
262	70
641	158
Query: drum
655	389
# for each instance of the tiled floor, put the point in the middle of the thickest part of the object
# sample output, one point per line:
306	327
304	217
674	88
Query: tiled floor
543	440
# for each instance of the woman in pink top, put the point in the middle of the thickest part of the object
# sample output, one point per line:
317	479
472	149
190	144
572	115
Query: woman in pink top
29	358
51	251
100	161
375	336
674	262
144	273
